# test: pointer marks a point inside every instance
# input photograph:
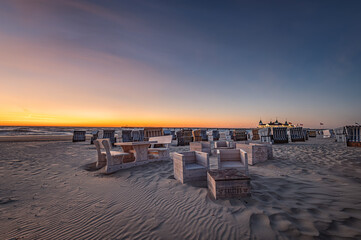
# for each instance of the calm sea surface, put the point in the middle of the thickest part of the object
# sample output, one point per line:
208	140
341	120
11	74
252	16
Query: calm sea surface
14	131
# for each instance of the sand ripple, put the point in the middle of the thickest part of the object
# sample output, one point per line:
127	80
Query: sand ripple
309	190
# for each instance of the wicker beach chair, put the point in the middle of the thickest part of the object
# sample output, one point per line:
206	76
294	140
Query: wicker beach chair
353	136
215	135
279	135
204	135
190	166
312	133
136	135
166	132
152	132
184	137
197	135
95	136
340	134
141	138
255	135
297	134
224	136
305	133
239	135
174	137
326	133
127	135
110	134
265	134
79	136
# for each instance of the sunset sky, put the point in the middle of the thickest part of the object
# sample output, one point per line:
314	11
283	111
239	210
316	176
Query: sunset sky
179	63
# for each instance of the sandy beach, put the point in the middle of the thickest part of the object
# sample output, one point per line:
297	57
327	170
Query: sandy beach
48	191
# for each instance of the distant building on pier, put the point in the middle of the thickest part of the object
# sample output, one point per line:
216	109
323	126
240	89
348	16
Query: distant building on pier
275	124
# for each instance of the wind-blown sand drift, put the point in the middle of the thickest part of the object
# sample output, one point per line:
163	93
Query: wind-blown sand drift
308	190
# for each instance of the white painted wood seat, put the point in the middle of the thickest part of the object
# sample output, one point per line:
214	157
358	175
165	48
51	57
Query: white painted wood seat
232	158
190	166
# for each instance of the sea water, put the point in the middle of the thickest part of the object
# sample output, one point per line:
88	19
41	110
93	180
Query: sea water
25	130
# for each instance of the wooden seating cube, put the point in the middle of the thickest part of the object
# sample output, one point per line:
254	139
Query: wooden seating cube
233	159
222	145
190	166
228	183
200	147
256	152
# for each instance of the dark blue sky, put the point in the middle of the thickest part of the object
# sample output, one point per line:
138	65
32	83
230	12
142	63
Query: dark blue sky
299	60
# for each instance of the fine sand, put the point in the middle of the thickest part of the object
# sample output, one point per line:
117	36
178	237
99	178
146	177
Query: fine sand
49	191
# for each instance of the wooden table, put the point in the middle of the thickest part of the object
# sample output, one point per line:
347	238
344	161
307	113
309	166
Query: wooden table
140	149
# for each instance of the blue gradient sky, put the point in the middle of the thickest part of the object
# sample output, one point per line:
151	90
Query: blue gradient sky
180	63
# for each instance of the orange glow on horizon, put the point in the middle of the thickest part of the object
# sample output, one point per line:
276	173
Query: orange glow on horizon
29	119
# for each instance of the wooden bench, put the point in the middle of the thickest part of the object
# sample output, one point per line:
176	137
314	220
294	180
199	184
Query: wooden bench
161	147
111	160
